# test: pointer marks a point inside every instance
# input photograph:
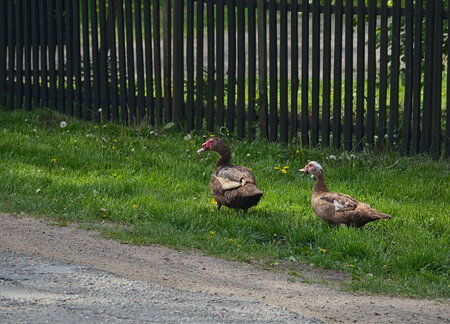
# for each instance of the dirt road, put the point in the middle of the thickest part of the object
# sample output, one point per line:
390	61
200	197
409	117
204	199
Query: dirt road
194	273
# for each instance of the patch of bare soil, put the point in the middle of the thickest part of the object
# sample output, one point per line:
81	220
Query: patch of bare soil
194	272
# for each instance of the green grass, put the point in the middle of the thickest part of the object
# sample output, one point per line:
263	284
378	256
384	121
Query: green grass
157	185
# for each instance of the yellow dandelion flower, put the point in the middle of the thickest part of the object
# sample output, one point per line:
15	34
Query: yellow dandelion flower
212	201
113	147
134	206
279	155
297	151
231	240
238	245
211	135
323	250
212	232
284	171
276	168
53	160
285	167
95	126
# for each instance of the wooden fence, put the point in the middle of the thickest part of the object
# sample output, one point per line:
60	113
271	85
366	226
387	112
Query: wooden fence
338	72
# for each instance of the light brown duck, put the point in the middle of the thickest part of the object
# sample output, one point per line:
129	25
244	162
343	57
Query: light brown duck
233	186
336	208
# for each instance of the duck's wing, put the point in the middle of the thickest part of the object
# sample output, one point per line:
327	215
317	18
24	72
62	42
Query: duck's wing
231	177
341	202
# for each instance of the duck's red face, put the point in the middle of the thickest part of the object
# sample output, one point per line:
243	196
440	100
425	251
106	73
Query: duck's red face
313	168
207	146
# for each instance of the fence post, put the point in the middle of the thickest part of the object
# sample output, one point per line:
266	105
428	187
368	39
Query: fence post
315	106
211	66
447	122
410	70
3	51
348	105
437	81
167	54
283	120
178	66
262	71
305	74
337	86
360	75
395	72
294	69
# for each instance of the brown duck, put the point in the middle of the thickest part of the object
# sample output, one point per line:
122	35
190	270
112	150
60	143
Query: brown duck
233	186
336	208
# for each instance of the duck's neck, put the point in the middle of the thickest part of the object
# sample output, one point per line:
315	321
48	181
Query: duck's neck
320	185
224	159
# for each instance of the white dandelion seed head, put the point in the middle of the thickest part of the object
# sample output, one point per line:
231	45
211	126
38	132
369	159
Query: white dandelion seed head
332	157
62	124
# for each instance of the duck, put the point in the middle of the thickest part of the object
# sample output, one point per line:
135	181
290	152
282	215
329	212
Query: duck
338	209
233	186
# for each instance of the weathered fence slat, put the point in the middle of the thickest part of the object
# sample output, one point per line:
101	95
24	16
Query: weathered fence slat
447	122
131	98
305	75
337	86
220	63
408	99
3	51
348	103
417	77
27	56
140	103
122	62
326	74
149	103
102	53
315	109
395	74
178	66
157	58
231	89
360	76
437	81
60	43
251	116
51	53
284	132
112	49
95	62
294	69
383	71
211	66
19	54
199	68
371	74
262	69
273	71
35	51
167	59
190	86
86	94
76	59
43	49
240	116
425	142
68	41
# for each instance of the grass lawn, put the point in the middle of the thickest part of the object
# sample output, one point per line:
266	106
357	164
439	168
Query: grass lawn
155	182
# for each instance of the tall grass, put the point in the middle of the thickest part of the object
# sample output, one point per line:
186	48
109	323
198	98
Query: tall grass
155	183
